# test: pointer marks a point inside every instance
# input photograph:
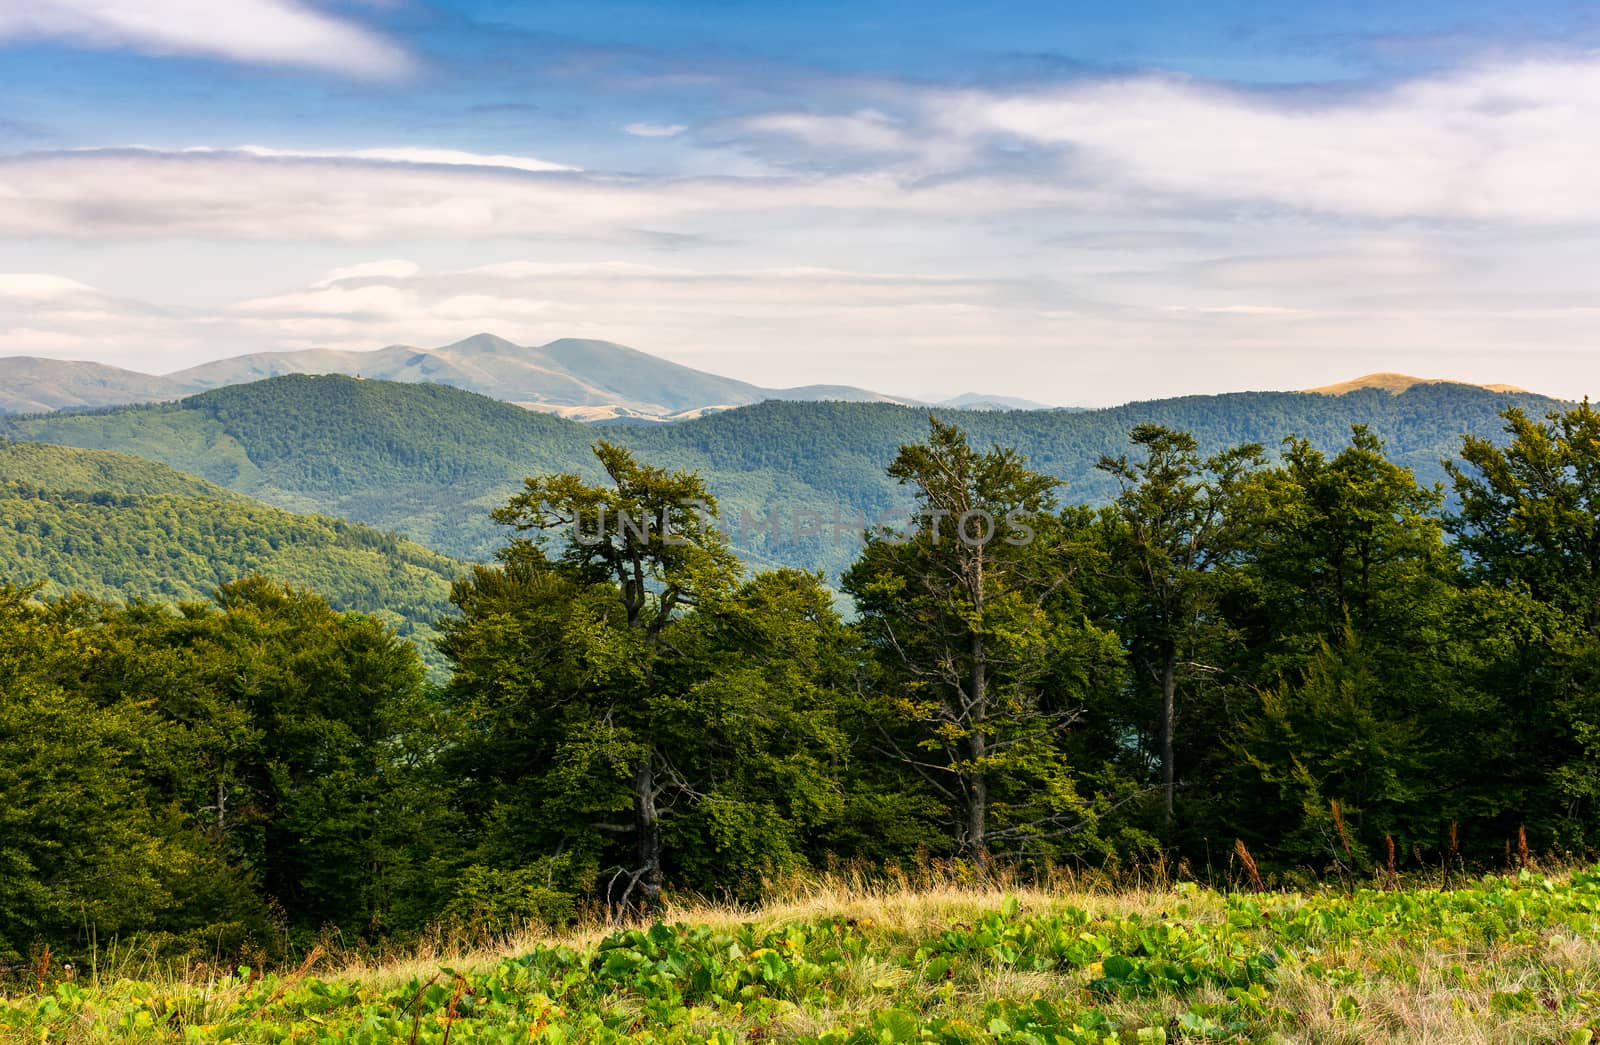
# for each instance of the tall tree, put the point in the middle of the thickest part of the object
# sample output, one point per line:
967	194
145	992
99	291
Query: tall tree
1173	531
1530	509
1529	525
619	666
644	536
1350	674
1348	540
89	844
955	606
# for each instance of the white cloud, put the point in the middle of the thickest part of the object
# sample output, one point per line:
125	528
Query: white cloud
370	302
39	286
487	309
1508	141
1090	241
138	193
52	344
408	154
392	268
265	32
808	139
1512	143
632	296
655	130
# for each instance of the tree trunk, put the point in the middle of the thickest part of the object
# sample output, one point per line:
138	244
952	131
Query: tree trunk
977	804
222	802
647	823
1169	689
977	750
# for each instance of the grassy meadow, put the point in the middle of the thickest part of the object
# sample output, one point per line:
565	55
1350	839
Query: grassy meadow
1512	958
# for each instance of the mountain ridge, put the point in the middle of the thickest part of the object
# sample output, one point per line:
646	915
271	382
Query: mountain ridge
33	384
582	378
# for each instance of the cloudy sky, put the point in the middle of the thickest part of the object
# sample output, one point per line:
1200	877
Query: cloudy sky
1080	203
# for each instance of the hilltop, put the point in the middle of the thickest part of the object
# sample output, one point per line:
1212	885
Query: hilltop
582	379
1396	383
30	386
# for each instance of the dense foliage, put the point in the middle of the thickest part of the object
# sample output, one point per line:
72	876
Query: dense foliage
426	461
1309	656
221	773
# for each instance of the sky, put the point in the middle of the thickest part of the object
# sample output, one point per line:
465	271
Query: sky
1080	203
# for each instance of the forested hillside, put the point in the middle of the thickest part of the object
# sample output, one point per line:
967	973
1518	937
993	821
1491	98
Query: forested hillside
120	527
427	461
430	461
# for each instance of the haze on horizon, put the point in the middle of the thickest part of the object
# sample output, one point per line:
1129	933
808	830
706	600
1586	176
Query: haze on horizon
1082	206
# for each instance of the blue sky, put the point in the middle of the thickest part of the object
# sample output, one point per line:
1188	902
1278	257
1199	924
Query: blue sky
1076	202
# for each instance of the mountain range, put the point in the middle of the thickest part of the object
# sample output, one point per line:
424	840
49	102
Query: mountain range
582	379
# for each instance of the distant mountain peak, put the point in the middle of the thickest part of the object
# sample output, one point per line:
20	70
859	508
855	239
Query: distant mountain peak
591	342
981	401
1397	383
481	342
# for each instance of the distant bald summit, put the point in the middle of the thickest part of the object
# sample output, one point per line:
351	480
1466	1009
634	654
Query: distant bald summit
1397	383
578	378
37	386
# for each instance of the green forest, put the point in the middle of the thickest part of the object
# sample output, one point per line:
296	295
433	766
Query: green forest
1302	652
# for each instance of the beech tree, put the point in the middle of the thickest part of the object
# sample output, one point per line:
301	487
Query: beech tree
1347	671
1529	526
1173	527
1530	509
287	723
954	605
1347	540
633	686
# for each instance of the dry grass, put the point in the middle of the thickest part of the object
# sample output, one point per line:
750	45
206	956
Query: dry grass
899	906
1451	1000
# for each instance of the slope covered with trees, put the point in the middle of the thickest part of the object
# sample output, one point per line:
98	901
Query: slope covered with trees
120	527
211	778
426	461
430	462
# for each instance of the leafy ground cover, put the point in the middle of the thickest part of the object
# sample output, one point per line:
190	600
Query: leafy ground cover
1513	958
